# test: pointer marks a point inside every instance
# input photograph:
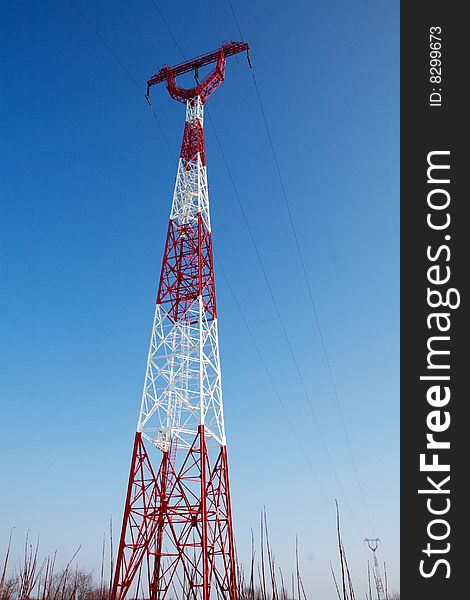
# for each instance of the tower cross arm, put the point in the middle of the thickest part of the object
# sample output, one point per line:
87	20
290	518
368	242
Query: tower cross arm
169	74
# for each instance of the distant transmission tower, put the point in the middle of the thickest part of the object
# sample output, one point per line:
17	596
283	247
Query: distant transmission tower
177	539
373	544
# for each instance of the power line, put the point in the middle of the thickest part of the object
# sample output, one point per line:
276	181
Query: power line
314	309
281	321
236	20
310	293
105	43
313	305
168	28
271	381
160	126
124	69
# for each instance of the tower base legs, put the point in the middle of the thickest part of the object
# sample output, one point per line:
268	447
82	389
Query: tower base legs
177	537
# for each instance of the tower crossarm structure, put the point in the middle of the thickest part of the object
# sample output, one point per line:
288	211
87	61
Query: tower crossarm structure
211	81
177	536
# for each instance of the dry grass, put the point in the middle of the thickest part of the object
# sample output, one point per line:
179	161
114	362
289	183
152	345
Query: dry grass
35	580
32	579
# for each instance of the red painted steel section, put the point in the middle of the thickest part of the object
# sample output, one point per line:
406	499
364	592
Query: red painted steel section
210	83
193	143
139	520
179	521
203	89
187	271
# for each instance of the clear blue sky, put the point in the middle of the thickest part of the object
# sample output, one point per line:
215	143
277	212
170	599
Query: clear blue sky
86	186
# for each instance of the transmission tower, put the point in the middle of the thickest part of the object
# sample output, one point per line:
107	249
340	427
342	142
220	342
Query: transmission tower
373	544
177	537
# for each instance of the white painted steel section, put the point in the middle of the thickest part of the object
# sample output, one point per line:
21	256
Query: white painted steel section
183	386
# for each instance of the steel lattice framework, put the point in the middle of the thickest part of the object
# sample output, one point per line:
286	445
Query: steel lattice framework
373	544
177	538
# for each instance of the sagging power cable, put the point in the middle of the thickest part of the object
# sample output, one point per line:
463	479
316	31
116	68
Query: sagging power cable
307	281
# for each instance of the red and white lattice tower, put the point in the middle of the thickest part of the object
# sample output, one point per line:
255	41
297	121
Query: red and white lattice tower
177	537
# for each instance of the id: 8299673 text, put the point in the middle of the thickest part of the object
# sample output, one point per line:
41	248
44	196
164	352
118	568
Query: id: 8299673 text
435	66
